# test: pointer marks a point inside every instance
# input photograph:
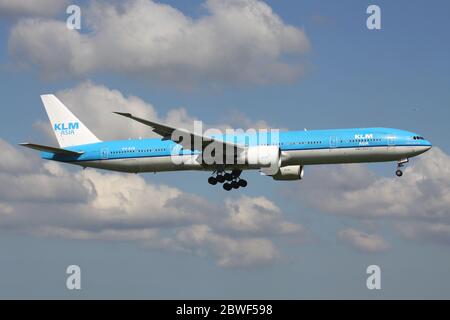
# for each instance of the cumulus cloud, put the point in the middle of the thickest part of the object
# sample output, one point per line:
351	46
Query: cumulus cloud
93	104
230	252
257	215
50	200
41	8
353	190
436	232
11	160
418	204
362	241
238	41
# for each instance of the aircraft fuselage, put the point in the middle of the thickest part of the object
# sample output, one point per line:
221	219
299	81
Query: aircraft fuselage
297	148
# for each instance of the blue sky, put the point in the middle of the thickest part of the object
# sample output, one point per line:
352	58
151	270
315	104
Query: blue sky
353	77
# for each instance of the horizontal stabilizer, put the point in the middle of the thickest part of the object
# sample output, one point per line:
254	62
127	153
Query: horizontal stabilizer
54	150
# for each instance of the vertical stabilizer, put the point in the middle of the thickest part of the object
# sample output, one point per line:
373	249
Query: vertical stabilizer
69	130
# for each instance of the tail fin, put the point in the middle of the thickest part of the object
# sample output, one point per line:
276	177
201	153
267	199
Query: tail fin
68	129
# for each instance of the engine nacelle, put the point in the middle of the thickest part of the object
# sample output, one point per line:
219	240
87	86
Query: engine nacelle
267	157
289	173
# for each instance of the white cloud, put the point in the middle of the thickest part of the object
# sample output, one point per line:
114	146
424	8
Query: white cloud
93	104
11	160
353	190
5	209
29	186
41	8
230	252
436	232
106	234
243	252
50	200
257	215
417	205
238	41
364	242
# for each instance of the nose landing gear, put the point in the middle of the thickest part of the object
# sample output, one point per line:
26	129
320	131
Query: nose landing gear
233	179
400	164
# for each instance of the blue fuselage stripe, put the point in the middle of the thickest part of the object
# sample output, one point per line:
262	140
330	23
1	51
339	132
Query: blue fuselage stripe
288	141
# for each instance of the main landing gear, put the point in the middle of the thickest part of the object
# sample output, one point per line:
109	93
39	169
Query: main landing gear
400	165
230	180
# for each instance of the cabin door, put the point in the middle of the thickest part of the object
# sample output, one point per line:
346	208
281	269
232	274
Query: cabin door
104	153
333	142
390	142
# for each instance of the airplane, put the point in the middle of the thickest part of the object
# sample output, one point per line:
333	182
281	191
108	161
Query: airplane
286	156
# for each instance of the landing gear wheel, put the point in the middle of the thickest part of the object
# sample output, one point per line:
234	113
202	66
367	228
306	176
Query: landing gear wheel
229	180
242	183
400	164
220	178
227	186
212	181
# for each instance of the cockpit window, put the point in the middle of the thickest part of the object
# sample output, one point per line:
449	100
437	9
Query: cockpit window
418	138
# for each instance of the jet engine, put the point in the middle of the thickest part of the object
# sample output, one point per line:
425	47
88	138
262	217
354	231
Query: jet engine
289	173
267	157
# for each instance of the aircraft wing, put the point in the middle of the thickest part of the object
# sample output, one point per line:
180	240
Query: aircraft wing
54	150
166	132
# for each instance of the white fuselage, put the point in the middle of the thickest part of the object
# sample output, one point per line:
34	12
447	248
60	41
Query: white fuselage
289	157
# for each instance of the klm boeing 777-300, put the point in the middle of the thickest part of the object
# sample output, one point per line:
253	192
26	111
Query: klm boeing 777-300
281	155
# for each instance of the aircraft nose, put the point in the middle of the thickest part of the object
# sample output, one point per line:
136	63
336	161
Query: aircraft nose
425	147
